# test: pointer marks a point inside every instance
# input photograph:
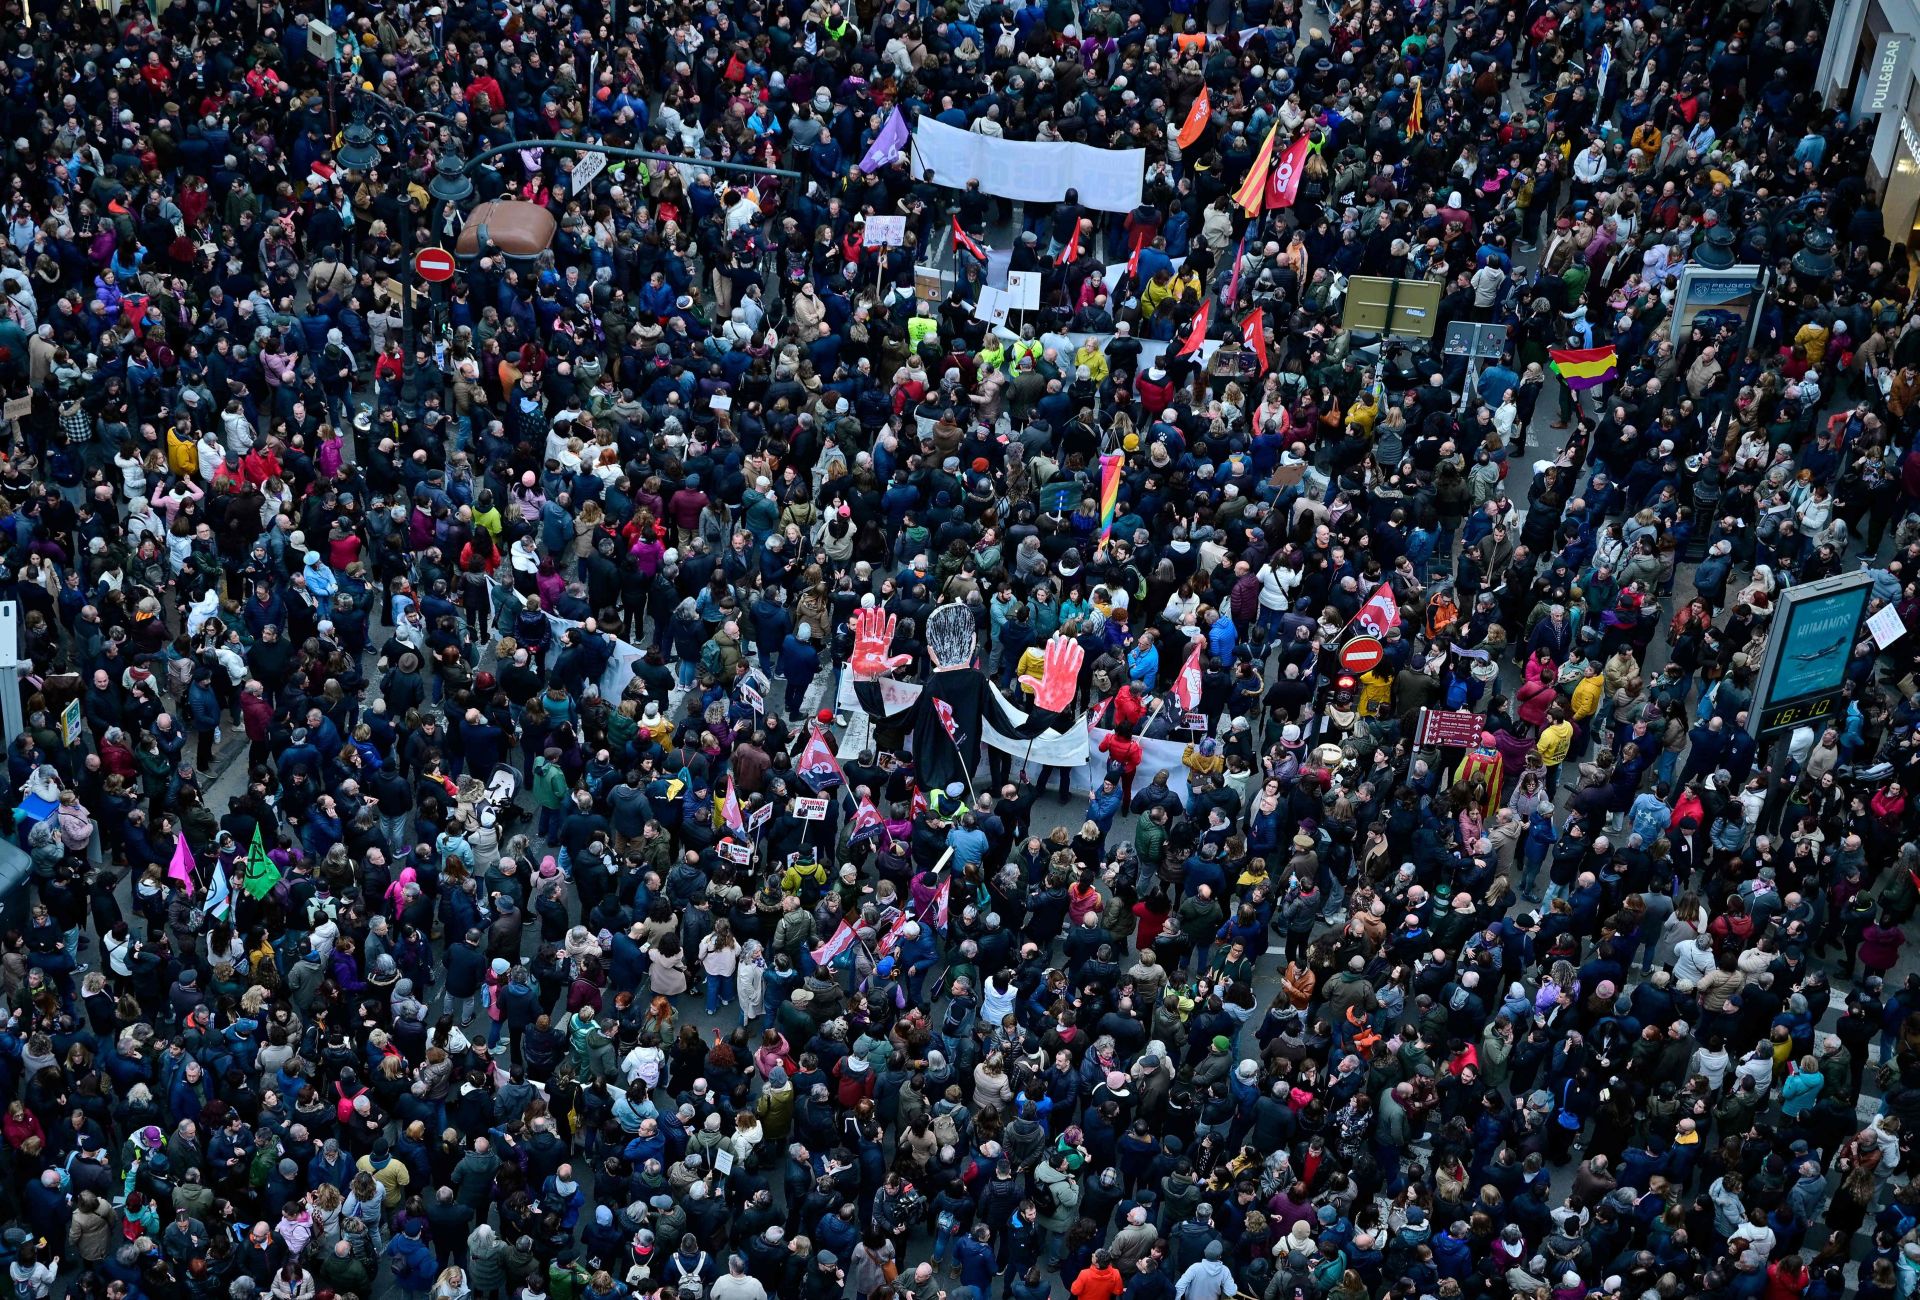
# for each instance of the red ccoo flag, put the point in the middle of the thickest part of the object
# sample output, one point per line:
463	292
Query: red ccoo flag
1198	334
1196	122
1253	332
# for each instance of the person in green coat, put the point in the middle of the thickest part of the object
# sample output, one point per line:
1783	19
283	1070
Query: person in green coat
550	792
486	1262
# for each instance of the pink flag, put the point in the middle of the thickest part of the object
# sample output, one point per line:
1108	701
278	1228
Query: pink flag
1186	687
730	808
940	902
841	941
182	866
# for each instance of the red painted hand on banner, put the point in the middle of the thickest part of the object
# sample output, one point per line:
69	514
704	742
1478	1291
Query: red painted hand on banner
872	638
1059	678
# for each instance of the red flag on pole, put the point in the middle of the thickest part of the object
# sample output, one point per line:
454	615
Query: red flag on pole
944	712
1380	614
941	900
1283	183
1197	118
1072	250
1198	334
964	240
1186	686
1253	332
1233	281
1133	262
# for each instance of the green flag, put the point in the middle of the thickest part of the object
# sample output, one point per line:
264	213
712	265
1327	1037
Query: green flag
262	875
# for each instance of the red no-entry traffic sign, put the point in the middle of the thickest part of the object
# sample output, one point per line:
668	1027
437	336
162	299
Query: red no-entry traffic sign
433	265
1362	654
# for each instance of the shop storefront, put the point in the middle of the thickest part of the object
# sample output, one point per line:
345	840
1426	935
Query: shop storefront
1900	200
1868	66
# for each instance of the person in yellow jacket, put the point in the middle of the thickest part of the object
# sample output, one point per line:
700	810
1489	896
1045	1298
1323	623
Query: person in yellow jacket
1205	758
1090	356
183	452
1812	339
1555	740
1032	666
1587	694
1376	691
922	326
1159	289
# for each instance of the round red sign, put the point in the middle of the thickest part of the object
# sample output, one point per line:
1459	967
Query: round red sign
1361	654
433	265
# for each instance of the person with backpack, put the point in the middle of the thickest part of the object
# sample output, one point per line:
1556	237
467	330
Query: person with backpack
1056	1194
414	1267
690	1270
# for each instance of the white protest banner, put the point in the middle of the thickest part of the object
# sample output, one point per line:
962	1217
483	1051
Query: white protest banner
1062	747
810	810
1156	754
619	670
1108	180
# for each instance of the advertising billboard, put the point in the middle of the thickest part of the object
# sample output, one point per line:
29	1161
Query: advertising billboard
1805	662
1711	299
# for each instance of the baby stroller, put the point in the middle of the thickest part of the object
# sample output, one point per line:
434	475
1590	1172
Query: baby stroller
498	797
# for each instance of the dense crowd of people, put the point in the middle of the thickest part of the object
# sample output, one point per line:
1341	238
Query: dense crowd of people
570	934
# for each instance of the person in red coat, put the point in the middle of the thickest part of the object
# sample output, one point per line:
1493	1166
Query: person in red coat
1127	755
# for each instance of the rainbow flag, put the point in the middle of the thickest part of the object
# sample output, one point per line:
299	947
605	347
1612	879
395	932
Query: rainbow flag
1109	491
1585	367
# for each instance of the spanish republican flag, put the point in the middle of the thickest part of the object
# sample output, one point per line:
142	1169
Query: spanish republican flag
1197	118
1585	367
1252	196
